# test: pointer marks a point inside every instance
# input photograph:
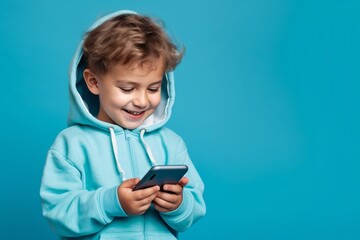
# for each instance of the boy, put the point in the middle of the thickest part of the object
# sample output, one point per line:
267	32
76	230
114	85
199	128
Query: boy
121	92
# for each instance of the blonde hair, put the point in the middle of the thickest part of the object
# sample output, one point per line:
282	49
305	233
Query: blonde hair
129	39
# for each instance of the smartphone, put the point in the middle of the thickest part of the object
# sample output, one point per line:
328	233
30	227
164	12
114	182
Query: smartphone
162	174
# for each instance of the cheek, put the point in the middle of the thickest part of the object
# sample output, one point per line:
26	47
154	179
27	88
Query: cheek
120	99
155	100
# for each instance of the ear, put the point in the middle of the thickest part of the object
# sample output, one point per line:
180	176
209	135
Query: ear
91	81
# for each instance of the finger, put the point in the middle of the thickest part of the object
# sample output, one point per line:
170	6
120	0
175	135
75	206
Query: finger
183	181
139	207
130	183
164	204
146	201
144	208
160	209
168	197
173	188
145	193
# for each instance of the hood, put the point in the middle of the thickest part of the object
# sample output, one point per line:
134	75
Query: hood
84	105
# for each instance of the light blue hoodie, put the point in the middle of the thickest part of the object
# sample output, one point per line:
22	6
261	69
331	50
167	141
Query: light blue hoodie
90	159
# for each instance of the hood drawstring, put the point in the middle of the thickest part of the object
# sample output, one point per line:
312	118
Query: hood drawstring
115	151
147	148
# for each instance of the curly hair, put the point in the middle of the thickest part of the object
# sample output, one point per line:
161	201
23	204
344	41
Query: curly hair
129	39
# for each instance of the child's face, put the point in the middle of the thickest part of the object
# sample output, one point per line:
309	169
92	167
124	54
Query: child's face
129	95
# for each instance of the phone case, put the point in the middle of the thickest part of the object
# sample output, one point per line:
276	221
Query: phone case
162	174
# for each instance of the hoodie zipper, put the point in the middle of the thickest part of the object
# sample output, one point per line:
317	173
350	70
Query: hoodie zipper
132	162
134	169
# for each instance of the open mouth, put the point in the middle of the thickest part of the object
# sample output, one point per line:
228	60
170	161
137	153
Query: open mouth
135	113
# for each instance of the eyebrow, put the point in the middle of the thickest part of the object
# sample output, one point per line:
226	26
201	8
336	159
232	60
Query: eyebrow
134	83
158	82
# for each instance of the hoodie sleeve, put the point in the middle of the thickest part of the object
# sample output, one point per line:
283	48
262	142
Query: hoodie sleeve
71	210
193	206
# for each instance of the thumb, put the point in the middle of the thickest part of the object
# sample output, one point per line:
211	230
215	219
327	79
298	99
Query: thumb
130	183
183	181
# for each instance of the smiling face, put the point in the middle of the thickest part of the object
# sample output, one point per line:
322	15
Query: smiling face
128	95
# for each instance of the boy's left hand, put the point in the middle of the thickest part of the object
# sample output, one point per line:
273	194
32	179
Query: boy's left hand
172	197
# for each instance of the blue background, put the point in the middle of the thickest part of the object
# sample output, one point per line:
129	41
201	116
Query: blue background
267	102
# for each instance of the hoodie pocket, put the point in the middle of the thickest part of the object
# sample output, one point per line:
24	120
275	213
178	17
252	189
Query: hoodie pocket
160	235
123	235
138	236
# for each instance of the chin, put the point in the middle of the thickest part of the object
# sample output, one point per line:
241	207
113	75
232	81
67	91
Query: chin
130	126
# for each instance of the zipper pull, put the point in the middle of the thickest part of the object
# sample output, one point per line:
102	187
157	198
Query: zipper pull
127	135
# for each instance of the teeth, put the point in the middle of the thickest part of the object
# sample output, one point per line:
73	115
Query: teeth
134	113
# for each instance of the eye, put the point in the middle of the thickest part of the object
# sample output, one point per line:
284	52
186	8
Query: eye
126	90
154	90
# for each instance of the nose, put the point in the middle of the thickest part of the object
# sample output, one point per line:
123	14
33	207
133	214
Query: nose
141	100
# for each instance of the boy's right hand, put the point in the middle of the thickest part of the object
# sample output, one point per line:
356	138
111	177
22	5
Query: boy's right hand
136	202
